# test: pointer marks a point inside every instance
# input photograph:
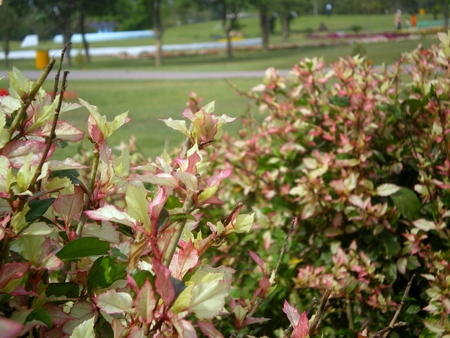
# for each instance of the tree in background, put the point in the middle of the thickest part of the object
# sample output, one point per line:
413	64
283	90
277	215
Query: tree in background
9	20
288	10
88	8
158	30
444	5
60	13
227	11
265	9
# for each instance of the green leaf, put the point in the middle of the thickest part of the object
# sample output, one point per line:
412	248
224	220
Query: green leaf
407	203
412	309
104	272
41	315
38	208
137	204
141	275
178	285
390	271
83	247
177	217
390	243
64	173
70	290
117	253
340	101
172	203
163	218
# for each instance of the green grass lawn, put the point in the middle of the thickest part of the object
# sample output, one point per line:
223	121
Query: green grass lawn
148	101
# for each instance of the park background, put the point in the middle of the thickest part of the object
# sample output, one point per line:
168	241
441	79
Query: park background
187	22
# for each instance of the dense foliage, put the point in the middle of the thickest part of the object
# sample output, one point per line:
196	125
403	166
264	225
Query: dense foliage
106	245
360	154
346	183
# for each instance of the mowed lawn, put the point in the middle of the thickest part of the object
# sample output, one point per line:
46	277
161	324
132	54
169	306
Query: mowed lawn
149	101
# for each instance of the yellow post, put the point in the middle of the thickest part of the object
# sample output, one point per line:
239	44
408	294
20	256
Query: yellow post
42	59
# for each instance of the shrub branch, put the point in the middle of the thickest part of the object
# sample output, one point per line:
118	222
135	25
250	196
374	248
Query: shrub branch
26	101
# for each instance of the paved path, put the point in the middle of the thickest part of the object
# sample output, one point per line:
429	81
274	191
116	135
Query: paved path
146	75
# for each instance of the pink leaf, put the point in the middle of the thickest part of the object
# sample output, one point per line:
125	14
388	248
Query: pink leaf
17	150
12	271
216	179
163	284
292	313
209	330
94	131
69	205
249	321
64	131
155	207
145	303
9	328
59	317
302	327
257	259
186	259
185	329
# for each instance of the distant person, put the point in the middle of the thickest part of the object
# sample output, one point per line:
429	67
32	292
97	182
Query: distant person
328	8
322	27
398	19
413	20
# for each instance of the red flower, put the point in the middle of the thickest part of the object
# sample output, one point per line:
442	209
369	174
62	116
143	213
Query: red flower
3	92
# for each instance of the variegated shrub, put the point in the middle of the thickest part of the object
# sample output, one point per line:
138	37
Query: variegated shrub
361	155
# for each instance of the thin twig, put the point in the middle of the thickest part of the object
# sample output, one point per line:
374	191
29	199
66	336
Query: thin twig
394	319
179	226
386	330
63	52
314	302
52	136
283	249
320	312
348	313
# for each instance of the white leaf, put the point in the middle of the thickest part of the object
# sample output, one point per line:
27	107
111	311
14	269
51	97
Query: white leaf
114	302
387	189
208	299
84	330
179	125
356	201
110	213
424	225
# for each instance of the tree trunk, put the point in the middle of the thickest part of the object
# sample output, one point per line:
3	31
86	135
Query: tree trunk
83	37
229	47
265	28
67	36
285	21
444	6
158	30
5	46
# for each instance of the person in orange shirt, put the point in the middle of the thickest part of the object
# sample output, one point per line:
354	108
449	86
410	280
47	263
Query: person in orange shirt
413	20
